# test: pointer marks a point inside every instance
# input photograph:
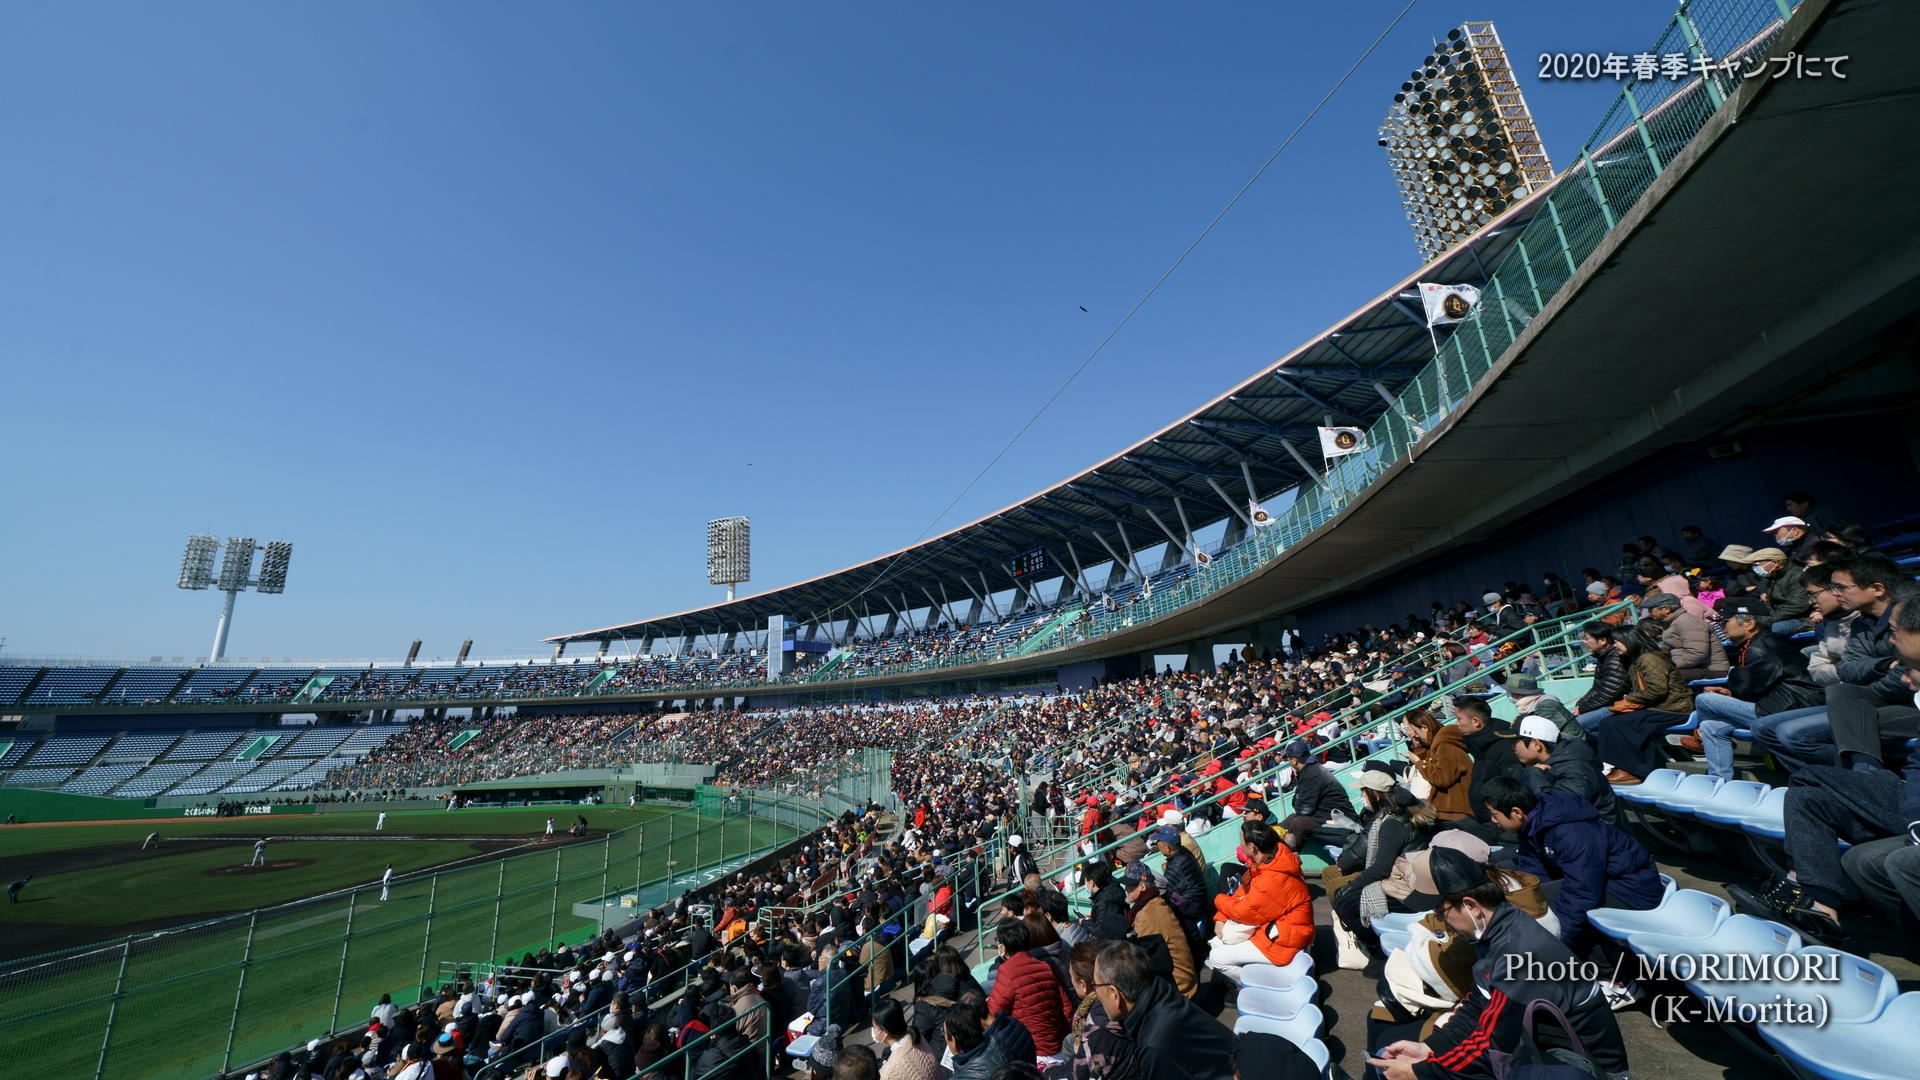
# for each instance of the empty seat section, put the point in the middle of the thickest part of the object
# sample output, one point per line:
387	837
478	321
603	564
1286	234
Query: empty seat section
156	779
141	745
68	750
13	680
213	778
213	684
17	753
205	745
71	686
144	685
38	777
100	779
265	776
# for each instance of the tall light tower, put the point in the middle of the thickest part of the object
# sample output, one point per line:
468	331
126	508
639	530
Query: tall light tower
1461	139
729	551
236	574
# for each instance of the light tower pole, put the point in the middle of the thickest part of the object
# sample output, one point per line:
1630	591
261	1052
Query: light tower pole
236	574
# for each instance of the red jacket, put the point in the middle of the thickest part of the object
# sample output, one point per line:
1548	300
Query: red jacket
1027	988
1273	897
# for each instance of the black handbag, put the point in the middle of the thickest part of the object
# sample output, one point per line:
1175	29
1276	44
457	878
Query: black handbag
1529	1061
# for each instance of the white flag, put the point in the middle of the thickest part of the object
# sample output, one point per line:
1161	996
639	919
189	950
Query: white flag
1258	515
1447	303
1340	441
1200	558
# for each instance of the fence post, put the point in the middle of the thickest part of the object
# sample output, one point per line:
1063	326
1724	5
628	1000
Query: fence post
340	981
553	908
606	863
426	938
246	957
499	889
113	1008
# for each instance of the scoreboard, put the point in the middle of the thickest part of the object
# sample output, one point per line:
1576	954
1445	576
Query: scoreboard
1030	562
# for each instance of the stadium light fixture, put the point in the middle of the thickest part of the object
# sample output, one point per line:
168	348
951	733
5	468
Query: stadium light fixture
236	574
196	564
729	551
1461	140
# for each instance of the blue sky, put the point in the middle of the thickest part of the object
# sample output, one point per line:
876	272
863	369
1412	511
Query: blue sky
489	307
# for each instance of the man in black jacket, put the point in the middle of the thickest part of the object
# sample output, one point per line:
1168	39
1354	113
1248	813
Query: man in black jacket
1318	798
1551	762
1513	951
1172	1038
1490	743
1186	892
1768	678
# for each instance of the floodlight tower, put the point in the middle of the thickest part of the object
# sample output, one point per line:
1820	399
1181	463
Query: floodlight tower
729	551
236	574
1461	139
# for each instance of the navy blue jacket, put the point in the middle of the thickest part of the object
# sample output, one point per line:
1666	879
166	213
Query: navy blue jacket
1565	839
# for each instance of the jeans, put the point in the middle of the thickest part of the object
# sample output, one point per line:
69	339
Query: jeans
1719	714
1798	737
1590	721
1786	628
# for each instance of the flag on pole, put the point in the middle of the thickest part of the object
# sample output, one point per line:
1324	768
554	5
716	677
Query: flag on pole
1200	558
1447	303
1341	441
1258	515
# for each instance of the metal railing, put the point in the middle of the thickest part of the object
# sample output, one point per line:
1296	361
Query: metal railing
191	1001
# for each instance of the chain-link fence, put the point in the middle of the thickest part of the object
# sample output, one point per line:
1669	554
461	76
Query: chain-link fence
190	1002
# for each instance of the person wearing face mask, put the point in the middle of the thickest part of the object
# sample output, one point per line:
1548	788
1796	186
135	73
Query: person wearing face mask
1784	586
902	1055
1515	959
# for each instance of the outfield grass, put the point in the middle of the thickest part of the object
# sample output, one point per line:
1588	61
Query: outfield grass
181	986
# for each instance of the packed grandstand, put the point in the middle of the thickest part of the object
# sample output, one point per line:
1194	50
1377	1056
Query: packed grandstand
1455	778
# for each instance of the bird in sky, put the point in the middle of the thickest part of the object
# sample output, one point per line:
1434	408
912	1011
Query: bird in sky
1083	307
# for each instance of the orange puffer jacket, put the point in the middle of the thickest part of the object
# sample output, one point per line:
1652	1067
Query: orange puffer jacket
1273	897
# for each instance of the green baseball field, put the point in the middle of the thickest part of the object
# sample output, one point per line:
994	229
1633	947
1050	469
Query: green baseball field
194	960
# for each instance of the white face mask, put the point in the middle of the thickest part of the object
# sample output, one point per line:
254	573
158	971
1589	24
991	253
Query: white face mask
1479	928
1760	570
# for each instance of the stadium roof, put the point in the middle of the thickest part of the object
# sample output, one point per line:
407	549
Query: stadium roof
1193	473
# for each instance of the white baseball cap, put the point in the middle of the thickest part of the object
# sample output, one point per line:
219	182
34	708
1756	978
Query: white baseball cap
1538	727
1784	523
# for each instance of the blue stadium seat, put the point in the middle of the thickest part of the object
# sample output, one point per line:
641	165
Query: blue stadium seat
1395	921
1276	977
1276	1004
1863	991
1687	913
1657	783
1769	818
1690	792
1737	935
1878	1047
1732	802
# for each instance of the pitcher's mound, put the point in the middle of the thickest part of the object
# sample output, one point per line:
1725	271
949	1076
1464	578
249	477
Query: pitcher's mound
272	865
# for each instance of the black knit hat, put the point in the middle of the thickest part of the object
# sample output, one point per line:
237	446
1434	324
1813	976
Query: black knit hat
1454	873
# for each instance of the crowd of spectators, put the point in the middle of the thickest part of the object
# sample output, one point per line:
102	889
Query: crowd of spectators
1502	837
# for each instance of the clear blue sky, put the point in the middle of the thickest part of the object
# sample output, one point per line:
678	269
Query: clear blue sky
489	307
